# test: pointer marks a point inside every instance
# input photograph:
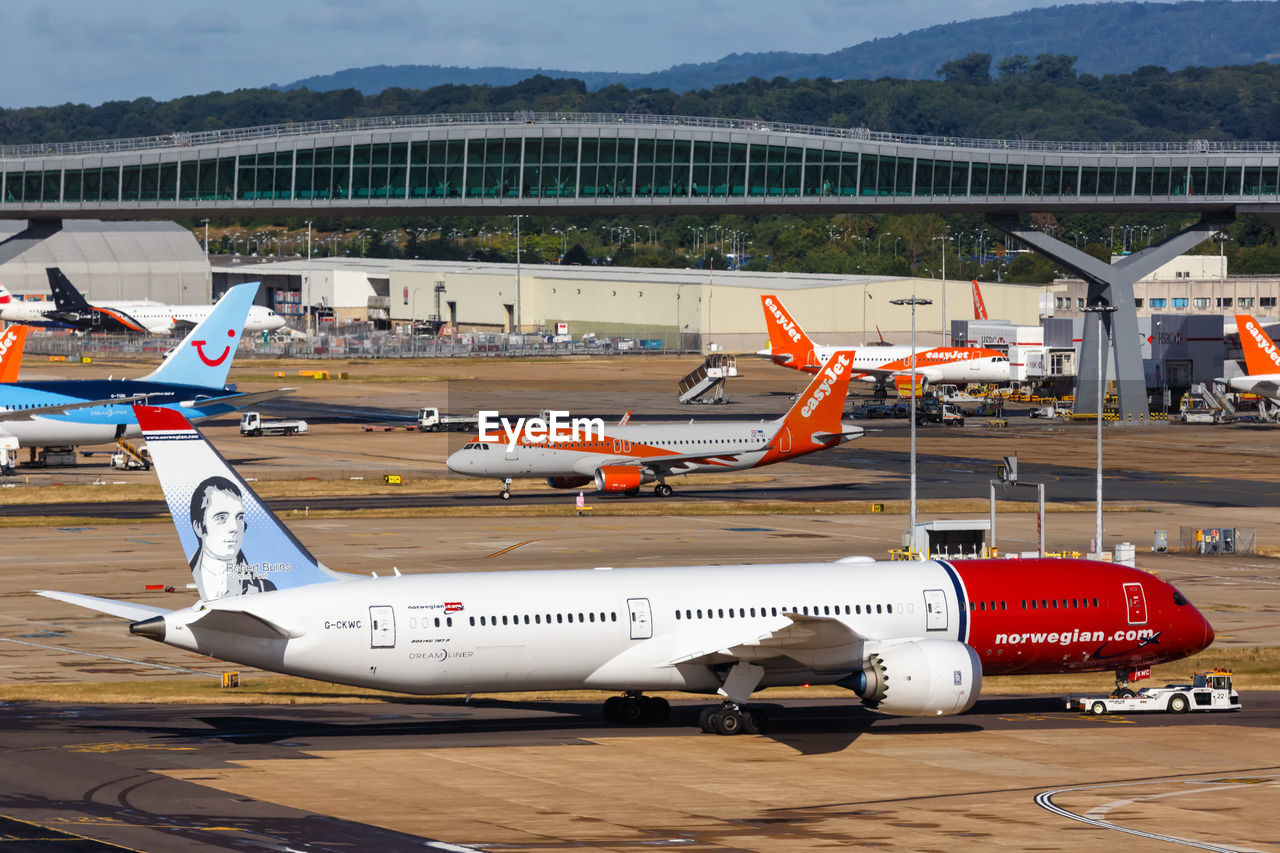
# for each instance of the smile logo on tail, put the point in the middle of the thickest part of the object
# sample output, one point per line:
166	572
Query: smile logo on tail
213	362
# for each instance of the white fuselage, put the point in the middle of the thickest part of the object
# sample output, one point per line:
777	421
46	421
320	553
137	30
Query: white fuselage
156	317
959	365
1263	384
613	629
728	446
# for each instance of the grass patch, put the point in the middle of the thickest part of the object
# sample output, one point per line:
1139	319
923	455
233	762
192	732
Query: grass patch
1256	668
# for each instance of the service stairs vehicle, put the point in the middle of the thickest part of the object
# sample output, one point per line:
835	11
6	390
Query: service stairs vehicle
1207	399
1209	690
251	423
128	457
432	419
708	376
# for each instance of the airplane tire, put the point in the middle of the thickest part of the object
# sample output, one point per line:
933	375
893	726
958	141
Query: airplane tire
655	708
662	490
505	495
728	722
705	717
633	710
613	709
756	721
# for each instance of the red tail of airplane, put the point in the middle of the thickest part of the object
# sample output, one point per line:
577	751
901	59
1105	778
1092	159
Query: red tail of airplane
1261	356
12	340
788	343
979	307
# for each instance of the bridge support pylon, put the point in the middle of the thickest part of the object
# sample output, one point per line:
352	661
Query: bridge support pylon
1112	284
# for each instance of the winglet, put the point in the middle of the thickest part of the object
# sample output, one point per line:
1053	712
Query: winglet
1260	354
234	544
788	343
12	341
204	357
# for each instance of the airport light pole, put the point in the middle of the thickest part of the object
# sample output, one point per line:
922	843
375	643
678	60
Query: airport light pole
208	271
306	296
913	302
943	239
517	217
1099	308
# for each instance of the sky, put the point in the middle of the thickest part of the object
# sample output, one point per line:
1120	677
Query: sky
88	51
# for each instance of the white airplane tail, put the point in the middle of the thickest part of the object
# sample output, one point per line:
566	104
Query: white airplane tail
234	544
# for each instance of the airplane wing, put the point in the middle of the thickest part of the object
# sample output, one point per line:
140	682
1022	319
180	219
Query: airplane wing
239	400
802	637
671	464
123	609
64	408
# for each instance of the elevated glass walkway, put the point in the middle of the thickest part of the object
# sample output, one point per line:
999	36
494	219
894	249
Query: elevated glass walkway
568	161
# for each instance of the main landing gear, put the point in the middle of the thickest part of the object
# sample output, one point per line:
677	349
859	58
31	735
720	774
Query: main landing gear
505	494
662	490
632	708
733	719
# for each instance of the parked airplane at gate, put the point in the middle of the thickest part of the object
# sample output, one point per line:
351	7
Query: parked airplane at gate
909	638
789	346
137	317
630	455
13	339
71	412
1261	361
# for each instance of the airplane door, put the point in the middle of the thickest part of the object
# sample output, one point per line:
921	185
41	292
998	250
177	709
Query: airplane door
382	627
1135	603
784	440
935	608
512	452
641	618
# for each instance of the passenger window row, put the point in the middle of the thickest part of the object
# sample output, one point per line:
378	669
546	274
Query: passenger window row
1059	604
750	612
538	619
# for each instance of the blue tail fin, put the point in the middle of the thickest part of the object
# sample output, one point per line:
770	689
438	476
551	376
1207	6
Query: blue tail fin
204	357
234	544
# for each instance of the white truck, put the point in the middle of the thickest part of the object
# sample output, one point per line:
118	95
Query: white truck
432	419
251	423
8	455
1208	691
1056	409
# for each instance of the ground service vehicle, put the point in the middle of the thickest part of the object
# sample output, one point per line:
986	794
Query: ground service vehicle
1208	691
251	423
1056	409
432	419
931	410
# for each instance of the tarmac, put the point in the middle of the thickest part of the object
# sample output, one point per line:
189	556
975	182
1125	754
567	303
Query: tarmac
548	775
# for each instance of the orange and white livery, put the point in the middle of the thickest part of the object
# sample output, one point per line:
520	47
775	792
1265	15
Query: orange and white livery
1261	361
627	456
12	341
789	346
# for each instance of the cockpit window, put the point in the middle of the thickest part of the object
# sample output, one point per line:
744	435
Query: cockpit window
1179	599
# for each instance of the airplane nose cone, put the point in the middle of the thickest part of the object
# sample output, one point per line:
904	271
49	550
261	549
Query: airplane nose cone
1208	633
456	462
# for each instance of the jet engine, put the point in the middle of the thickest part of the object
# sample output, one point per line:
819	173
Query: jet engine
619	478
919	678
572	482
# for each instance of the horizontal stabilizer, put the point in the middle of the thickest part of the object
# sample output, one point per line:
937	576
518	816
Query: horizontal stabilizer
123	609
63	408
239	400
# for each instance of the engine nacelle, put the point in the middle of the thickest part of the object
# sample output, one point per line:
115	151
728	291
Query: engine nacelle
920	678
572	482
619	478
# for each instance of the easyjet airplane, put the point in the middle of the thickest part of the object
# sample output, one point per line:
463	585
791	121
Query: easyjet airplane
979	307
1261	361
630	455
790	347
12	341
909	638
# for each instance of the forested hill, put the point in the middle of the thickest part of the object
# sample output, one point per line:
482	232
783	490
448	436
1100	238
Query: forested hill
1041	98
1106	38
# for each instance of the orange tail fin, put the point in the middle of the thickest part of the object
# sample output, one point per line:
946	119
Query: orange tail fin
12	340
1260	353
787	341
979	307
820	407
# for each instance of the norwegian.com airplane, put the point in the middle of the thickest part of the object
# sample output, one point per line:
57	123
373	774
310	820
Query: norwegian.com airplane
1261	361
909	638
789	346
630	455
